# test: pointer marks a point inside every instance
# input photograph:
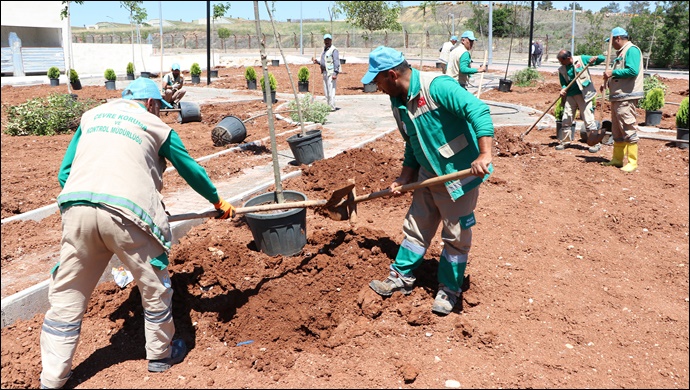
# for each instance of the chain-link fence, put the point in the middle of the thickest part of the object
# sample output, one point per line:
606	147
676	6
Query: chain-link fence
402	40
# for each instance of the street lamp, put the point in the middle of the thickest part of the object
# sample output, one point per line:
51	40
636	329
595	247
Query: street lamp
452	16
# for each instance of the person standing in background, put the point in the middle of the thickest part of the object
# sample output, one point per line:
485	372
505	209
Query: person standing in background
445	50
460	61
330	67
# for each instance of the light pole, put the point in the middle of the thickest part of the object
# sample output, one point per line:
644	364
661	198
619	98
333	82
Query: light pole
453	19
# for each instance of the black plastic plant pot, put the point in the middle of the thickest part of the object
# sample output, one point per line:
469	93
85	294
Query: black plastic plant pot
652	118
196	79
278	233
54	82
251	84
76	85
110	84
130	76
146	75
504	85
273	97
303	86
682	134
307	148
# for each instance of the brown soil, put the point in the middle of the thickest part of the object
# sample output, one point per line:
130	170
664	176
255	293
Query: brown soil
579	272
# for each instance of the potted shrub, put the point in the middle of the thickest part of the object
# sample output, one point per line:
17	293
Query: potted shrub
74	79
195	71
652	103
250	75
130	71
682	124
558	110
54	76
273	84
303	79
110	78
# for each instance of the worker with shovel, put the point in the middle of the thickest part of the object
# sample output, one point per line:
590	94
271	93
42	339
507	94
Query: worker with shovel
626	88
111	179
446	129
579	96
460	60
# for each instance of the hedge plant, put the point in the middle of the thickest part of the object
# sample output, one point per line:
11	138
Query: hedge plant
110	75
312	111
271	81
54	114
650	83
195	69
73	76
682	114
653	100
250	74
53	72
526	77
558	110
303	74
130	68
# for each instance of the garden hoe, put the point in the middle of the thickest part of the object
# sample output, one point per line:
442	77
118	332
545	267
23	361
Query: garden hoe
347	208
522	136
335	198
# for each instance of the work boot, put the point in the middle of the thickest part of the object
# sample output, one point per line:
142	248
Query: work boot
595	148
618	153
445	300
561	146
394	282
631	149
179	350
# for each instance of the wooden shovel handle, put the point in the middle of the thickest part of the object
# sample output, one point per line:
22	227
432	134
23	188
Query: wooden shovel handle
481	78
250	209
522	136
413	186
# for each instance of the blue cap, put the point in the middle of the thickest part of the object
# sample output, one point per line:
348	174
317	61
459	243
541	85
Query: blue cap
144	88
327	36
380	59
175	66
453	38
617	32
469	35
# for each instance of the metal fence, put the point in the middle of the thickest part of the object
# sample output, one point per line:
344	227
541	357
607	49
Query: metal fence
400	40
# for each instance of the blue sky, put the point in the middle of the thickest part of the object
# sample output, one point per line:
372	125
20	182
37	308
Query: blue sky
92	12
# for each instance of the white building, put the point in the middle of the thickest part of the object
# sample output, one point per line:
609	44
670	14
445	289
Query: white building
42	37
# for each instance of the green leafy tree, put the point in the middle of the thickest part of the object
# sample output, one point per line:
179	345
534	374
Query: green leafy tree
333	12
592	44
223	34
612	8
545	5
672	49
371	15
219	11
136	16
643	27
504	19
578	7
636	7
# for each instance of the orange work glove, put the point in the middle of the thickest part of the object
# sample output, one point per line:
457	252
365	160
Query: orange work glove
225	207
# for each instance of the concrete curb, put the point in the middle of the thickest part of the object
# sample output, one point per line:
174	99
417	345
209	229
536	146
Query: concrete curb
25	304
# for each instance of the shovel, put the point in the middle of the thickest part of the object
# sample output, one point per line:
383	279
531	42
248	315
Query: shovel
347	208
335	198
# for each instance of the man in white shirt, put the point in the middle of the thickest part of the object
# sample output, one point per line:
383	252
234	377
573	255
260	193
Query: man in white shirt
445	52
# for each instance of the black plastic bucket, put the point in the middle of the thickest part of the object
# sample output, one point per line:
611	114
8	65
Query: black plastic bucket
278	233
652	118
214	73
682	134
230	130
371	87
189	112
504	85
307	149
275	62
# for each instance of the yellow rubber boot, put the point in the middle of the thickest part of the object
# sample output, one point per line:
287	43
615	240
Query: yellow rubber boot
631	149
618	153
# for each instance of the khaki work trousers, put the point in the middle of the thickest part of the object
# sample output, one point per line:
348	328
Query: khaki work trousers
624	121
433	205
174	95
90	237
572	103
